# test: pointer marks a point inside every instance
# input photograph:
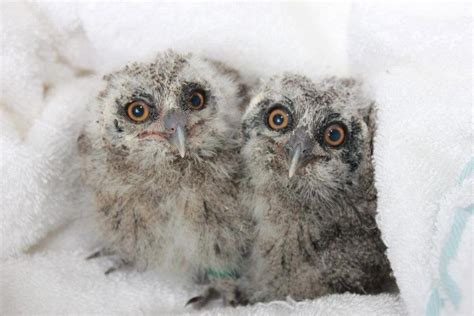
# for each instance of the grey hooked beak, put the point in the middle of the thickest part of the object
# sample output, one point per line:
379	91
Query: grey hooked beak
295	161
175	122
178	139
298	150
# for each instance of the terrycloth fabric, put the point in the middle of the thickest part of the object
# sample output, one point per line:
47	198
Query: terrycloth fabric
417	61
417	64
63	283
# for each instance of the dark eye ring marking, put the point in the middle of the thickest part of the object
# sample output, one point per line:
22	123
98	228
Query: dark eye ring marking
335	134
138	111
278	118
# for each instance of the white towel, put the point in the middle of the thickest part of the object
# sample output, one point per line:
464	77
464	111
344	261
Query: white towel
417	64
417	60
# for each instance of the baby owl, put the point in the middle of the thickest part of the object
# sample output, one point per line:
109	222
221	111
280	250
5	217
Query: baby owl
308	154
160	152
308	157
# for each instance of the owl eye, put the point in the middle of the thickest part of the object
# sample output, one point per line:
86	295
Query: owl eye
278	118
335	134
197	100
138	111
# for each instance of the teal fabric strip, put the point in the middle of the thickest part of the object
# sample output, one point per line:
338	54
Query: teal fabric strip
449	252
467	171
434	303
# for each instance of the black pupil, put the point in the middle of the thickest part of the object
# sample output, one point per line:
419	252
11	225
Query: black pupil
334	135
278	119
196	100
138	110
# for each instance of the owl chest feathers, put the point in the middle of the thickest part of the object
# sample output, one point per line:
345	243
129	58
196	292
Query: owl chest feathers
173	215
302	228
296	241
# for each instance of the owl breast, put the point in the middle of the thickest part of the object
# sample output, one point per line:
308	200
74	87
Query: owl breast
185	218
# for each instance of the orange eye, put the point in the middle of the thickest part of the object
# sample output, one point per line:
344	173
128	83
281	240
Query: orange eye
138	111
278	119
197	100
334	135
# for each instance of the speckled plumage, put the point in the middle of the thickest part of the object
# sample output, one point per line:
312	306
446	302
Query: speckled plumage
155	208
316	230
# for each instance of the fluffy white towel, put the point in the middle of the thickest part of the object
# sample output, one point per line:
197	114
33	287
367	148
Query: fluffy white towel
416	60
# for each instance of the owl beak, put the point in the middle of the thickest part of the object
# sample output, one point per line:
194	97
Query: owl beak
179	140
298	150
295	161
175	122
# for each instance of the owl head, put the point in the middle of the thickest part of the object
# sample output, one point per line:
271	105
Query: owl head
174	107
313	138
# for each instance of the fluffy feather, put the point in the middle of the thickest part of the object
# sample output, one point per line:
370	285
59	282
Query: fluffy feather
157	209
316	230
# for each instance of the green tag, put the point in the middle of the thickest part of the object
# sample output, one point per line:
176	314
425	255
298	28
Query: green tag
211	273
